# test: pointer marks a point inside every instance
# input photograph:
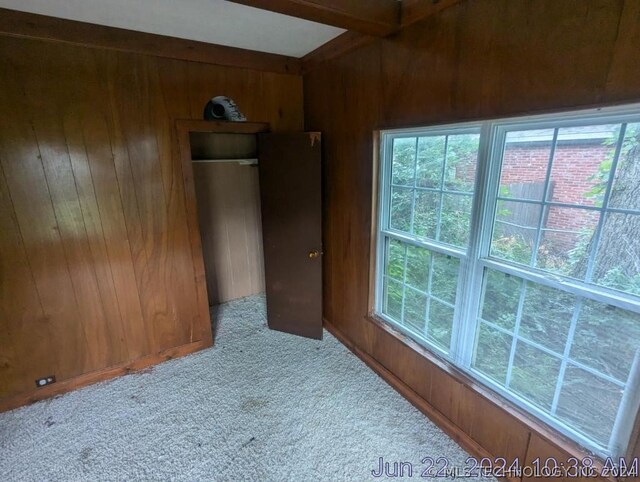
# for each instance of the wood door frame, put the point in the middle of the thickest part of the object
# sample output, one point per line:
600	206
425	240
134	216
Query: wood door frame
183	128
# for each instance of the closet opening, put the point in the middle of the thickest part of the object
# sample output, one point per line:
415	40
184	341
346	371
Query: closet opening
224	163
254	204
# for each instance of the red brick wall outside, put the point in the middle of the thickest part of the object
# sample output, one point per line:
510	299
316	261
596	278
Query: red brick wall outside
572	174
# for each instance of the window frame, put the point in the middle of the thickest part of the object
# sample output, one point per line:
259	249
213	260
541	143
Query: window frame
385	232
476	257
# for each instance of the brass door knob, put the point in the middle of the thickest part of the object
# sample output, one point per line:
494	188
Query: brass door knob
314	254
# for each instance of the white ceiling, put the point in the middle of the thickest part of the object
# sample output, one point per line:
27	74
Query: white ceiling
213	21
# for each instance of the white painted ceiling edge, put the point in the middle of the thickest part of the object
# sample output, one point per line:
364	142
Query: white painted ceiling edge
213	21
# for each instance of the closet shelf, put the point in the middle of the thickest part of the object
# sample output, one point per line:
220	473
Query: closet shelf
247	161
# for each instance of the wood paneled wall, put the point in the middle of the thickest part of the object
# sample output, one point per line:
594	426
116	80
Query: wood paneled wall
96	268
478	59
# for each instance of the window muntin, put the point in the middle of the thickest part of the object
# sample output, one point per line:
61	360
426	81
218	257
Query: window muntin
420	291
502	294
531	338
563	191
432	177
430	185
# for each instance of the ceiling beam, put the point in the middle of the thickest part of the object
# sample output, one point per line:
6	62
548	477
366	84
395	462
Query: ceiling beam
412	11
370	17
43	27
337	47
415	10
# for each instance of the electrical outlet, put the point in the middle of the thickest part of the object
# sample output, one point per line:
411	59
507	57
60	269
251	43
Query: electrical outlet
41	382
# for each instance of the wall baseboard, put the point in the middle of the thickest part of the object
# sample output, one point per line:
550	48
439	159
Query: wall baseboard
86	379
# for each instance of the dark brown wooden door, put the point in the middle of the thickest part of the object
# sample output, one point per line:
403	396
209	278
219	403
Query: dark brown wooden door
290	195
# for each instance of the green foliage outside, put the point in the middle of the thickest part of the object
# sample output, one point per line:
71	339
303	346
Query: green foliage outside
431	283
606	338
624	275
432	175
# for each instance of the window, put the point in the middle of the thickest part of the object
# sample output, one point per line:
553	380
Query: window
512	248
430	194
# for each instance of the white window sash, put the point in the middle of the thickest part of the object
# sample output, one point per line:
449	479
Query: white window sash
476	258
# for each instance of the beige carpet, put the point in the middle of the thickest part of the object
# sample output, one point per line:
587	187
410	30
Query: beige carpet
260	405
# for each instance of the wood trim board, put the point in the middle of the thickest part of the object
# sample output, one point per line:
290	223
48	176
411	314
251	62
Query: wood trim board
412	11
341	45
415	10
183	128
363	28
225	127
556	444
370	17
30	25
411	396
87	379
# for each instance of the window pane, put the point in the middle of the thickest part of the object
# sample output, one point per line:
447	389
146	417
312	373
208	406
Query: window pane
401	205
395	259
491	356
525	162
546	316
440	324
534	375
419	274
415	310
625	192
560	209
514	232
564	241
462	157
589	403
418	261
392	305
606	339
617	263
501	298
404	157
581	164
455	219
445	277
426	215
430	161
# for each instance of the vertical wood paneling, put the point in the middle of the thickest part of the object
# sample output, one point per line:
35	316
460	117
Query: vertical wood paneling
28	335
101	157
477	59
96	239
139	175
97	263
45	99
27	186
624	55
171	101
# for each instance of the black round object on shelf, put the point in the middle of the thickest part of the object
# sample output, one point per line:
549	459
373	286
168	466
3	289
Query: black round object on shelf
223	108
